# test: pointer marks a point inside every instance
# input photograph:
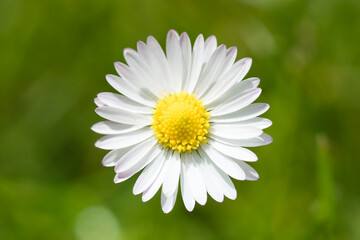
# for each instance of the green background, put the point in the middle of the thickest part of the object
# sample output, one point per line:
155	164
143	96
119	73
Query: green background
54	55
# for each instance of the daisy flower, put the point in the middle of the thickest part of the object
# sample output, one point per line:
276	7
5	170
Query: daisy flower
184	118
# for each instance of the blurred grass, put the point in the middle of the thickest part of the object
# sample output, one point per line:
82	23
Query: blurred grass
54	55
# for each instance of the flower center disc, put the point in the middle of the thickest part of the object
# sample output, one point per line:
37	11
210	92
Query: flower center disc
180	122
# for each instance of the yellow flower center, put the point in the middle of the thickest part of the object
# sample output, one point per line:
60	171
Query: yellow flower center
180	122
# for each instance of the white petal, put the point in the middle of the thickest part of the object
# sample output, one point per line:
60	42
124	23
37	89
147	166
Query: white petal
212	70
221	180
196	182
154	187
113	156
135	155
234	131
213	186
227	185
109	127
168	202
126	73
185	45
142	71
225	163
230	57
154	56
156	48
256	122
238	102
263	139
148	176
136	81
171	180
251	111
251	174
225	82
119	180
125	87
111	142
136	165
99	103
235	152
122	102
186	193
174	56
196	64
232	94
241	86
210	46
217	70
123	116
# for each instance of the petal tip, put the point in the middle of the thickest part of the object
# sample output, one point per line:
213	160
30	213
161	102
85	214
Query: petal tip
190	208
184	35
119	65
257	80
232	49
248	59
140	45
109	77
172	32
136	191
128	51
150	39
166	211
232	197
212	37
103	162
144	198
199	39
222	47
271	139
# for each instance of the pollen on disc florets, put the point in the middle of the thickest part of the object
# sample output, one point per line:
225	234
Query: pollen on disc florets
180	122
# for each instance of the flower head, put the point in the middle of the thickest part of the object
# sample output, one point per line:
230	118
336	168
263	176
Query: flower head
182	117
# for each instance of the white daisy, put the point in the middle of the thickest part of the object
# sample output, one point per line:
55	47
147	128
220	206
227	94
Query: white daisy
185	117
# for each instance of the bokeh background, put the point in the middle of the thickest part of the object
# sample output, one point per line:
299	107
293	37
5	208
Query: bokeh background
53	59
